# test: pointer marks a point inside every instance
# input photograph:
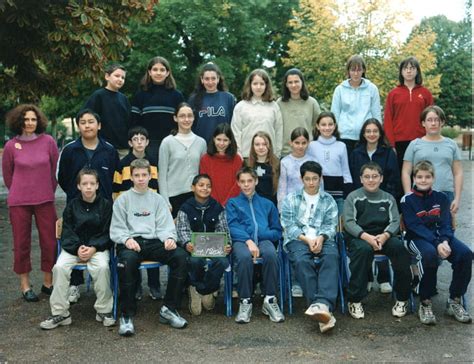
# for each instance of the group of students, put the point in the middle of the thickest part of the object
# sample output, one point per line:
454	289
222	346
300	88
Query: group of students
193	154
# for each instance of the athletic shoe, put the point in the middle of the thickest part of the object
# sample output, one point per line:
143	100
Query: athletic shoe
172	318
54	321
296	291
455	309
195	305
272	310
30	296
245	312
385	287
126	326
319	312
400	308
107	319
327	326
426	315
74	294
47	290
356	310
208	301
155	294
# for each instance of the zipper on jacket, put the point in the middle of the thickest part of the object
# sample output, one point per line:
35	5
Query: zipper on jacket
254	221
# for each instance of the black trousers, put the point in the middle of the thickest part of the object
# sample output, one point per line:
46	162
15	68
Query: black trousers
129	261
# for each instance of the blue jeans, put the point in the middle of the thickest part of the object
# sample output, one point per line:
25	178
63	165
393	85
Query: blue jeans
206	281
319	281
244	267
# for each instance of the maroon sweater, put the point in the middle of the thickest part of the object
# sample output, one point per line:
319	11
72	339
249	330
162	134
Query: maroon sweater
29	170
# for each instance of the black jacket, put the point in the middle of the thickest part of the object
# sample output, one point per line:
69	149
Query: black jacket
86	224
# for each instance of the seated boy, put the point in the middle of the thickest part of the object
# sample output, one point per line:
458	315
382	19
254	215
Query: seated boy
254	228
427	218
84	238
92	152
309	219
371	222
143	229
138	140
202	213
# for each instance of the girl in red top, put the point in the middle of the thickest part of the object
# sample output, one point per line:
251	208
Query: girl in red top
221	163
403	108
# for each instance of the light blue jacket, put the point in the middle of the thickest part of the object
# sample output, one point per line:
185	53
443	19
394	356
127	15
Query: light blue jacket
293	210
353	106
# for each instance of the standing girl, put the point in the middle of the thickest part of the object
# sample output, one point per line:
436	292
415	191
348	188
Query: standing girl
221	163
179	158
29	171
373	147
266	165
211	102
298	109
331	154
442	152
257	112
113	108
290	180
354	101
153	106
403	107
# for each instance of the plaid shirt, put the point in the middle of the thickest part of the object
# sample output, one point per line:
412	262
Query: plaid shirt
324	220
184	231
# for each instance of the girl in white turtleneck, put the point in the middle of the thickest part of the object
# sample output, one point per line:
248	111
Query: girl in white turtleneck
331	154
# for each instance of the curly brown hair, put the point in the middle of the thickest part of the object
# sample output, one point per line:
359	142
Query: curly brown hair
16	119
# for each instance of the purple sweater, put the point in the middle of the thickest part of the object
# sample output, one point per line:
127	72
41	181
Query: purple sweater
29	170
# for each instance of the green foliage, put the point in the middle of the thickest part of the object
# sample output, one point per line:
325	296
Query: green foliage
453	49
237	35
47	46
450	132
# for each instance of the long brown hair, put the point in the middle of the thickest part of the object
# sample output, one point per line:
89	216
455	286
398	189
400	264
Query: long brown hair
272	160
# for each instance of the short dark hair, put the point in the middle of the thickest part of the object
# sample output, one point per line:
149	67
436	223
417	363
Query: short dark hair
140	163
111	68
248	170
311	166
286	93
200	176
15	119
414	63
88	171
223	128
373	166
136	130
81	113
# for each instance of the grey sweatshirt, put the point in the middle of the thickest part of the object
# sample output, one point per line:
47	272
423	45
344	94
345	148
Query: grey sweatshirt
141	214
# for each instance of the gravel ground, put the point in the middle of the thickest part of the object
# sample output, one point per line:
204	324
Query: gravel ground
213	337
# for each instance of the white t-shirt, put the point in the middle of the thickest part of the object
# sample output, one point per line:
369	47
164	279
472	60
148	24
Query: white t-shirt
311	204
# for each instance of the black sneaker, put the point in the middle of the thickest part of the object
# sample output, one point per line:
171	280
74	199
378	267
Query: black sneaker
54	321
47	290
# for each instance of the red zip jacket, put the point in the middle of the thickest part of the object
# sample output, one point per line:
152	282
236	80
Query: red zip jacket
402	113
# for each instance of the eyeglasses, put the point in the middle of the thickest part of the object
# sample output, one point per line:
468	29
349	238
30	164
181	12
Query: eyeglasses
434	120
373	177
138	139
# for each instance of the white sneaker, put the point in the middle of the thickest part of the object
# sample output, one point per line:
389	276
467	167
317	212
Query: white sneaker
400	308
356	310
107	319
385	287
245	312
74	294
296	291
319	312
327	326
272	310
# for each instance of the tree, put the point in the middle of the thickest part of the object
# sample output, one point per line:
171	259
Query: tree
47	46
453	47
237	35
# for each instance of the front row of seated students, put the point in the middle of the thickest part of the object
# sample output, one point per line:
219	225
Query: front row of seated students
142	228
